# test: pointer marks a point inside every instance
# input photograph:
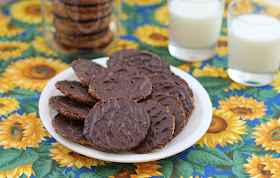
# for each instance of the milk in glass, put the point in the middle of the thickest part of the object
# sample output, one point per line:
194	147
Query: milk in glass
195	24
254	44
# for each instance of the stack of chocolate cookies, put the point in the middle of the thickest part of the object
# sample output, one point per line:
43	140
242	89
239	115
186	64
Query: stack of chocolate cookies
82	25
136	104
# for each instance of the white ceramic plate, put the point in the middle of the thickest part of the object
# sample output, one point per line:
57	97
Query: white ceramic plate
195	129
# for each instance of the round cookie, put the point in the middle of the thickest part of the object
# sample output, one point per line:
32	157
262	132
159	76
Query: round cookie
146	62
76	91
82	38
69	108
161	127
82	8
120	81
98	43
60	11
85	69
84	2
117	124
68	128
81	28
162	83
174	106
179	81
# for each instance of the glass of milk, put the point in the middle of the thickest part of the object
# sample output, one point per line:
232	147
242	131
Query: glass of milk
194	28
253	41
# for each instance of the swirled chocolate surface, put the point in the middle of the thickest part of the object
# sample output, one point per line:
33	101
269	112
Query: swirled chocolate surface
85	69
161	128
69	108
72	129
162	83
120	81
116	125
174	106
76	91
146	62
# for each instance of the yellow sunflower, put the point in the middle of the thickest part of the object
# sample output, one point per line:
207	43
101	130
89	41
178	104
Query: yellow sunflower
210	71
33	73
161	15
262	166
22	131
8	29
146	170
124	44
186	66
153	35
12	49
18	171
30	11
218	72
222	48
246	108
268	135
39	44
276	83
5	85
8	105
143	2
69	158
124	16
225	13
225	128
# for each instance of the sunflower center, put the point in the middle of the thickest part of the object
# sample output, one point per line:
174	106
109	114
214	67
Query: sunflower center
11	26
265	173
222	43
1	105
241	110
40	72
16	132
159	37
217	125
274	134
76	155
34	9
8	48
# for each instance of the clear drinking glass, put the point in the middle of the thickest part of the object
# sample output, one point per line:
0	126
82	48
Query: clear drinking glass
253	41
194	28
81	28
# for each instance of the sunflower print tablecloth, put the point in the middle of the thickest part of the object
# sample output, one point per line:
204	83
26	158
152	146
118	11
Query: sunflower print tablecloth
242	141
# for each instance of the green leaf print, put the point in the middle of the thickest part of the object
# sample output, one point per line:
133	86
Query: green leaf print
250	148
44	150
30	107
276	109
24	158
110	169
8	155
239	160
260	94
213	85
42	167
18	93
182	168
197	167
167	167
209	157
90	174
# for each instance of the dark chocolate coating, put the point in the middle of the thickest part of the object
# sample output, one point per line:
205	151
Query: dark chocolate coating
162	83
146	62
120	81
72	129
116	125
76	91
68	107
85	69
161	128
174	106
179	81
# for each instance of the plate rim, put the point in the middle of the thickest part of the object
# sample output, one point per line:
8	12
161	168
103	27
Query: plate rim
106	156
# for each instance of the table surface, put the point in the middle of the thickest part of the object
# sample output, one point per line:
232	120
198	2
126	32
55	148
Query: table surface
242	141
